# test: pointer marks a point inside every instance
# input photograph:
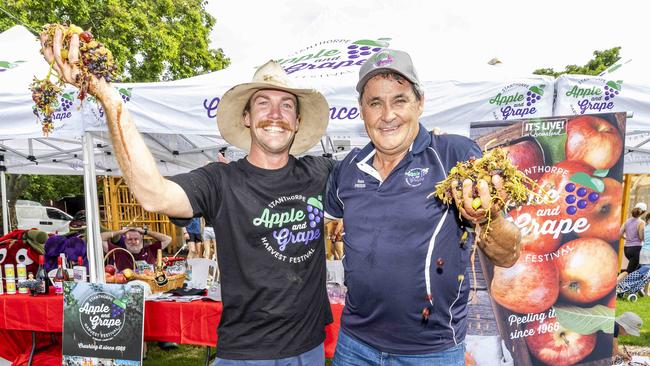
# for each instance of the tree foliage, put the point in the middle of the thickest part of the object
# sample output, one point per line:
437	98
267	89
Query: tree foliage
601	61
42	188
151	40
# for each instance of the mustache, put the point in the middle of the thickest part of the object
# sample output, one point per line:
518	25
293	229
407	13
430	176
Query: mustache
282	124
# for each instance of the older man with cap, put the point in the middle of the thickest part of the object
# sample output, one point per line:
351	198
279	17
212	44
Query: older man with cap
266	210
405	262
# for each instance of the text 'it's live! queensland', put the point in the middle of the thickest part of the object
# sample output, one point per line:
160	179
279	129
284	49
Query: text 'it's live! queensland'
555	306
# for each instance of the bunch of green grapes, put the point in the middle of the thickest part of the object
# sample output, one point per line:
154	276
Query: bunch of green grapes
516	185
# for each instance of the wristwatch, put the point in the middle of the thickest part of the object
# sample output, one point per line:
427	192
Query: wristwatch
145	231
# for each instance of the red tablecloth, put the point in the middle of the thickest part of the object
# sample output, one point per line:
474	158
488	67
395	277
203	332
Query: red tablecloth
185	323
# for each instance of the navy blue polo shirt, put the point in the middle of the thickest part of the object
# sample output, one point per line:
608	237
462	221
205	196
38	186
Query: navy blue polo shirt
401	246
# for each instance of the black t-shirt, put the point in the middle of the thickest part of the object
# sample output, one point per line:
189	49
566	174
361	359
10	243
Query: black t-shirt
269	226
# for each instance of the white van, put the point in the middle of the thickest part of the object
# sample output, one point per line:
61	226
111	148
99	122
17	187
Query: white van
48	219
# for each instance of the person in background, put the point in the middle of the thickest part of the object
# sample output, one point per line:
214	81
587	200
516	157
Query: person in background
134	242
627	323
632	231
192	236
209	241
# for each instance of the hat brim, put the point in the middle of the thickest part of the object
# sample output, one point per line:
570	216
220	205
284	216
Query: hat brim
314	116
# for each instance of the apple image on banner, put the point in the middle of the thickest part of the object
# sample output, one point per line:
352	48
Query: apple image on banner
603	215
588	268
557	346
532	239
528	286
525	155
556	181
553	147
593	141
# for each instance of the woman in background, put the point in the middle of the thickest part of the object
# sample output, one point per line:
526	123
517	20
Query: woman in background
633	233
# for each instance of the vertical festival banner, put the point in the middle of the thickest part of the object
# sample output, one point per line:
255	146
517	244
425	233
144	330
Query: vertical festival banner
556	305
103	324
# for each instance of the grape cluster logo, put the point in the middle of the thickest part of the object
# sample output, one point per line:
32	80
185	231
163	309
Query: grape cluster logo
517	100
583	191
596	98
6	65
332	57
290	233
102	315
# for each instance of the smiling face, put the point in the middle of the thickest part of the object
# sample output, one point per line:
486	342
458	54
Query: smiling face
390	111
272	116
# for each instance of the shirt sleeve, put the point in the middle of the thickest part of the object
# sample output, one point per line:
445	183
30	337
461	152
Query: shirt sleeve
333	204
203	189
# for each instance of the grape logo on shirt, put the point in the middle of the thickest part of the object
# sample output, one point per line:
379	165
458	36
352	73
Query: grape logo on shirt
292	232
594	98
332	57
517	100
102	316
415	176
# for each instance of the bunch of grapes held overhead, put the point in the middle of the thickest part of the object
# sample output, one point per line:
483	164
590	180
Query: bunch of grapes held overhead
94	60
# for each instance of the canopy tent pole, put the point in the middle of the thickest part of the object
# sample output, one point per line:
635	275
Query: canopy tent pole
3	191
94	249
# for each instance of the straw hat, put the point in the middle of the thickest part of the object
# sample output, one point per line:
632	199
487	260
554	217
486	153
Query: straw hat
314	110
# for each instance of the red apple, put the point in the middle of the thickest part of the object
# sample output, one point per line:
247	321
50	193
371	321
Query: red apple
530	286
555	180
593	141
611	301
109	278
526	155
532	240
557	346
604	215
109	268
120	278
588	268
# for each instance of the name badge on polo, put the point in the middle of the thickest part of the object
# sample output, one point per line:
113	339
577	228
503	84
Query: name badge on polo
414	177
360	184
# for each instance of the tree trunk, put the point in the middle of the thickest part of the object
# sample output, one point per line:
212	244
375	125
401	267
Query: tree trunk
16	184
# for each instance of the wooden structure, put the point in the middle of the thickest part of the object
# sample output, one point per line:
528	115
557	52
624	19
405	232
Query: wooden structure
121	209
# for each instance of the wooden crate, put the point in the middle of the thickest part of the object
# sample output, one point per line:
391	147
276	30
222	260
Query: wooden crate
121	209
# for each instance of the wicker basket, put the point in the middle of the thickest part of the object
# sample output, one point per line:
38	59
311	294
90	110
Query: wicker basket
173	281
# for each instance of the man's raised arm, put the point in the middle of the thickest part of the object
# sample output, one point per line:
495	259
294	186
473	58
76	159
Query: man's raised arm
151	189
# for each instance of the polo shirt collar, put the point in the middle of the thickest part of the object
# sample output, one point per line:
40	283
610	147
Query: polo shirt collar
422	140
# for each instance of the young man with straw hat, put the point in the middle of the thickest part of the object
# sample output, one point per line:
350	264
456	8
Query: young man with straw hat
266	210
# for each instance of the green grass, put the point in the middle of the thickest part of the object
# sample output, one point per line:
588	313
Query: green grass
642	308
194	355
182	356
